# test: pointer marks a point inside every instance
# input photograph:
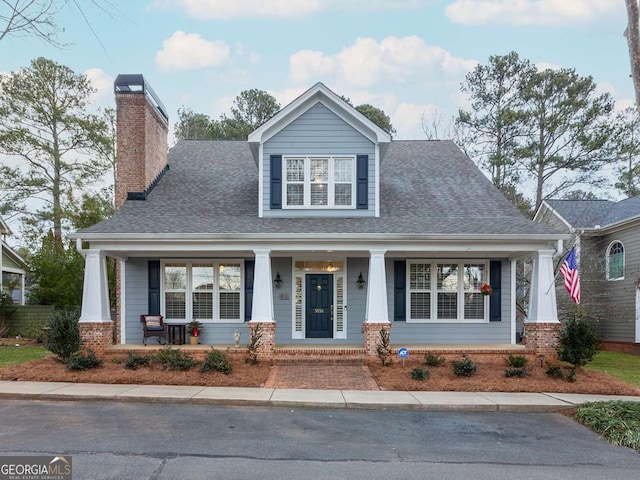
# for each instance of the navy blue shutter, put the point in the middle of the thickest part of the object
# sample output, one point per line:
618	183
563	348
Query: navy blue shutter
399	288
362	187
154	287
495	301
249	267
276	181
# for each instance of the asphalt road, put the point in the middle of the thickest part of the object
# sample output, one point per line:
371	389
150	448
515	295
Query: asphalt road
162	441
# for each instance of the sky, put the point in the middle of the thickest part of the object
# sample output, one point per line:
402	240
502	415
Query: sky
407	57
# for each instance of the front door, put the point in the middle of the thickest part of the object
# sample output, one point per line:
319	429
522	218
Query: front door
319	318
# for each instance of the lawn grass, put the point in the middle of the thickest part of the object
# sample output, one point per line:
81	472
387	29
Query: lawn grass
624	366
10	355
619	422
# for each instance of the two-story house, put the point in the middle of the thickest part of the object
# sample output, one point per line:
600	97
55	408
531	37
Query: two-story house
319	227
607	237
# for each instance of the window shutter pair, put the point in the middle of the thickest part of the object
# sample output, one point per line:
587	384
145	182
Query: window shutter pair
400	289
362	182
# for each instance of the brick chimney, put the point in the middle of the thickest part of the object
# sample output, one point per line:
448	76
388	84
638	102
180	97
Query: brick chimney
142	125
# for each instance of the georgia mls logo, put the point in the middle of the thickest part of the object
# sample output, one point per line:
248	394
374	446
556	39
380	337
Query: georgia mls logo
35	468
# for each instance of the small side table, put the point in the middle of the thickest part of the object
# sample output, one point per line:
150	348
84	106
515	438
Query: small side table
176	333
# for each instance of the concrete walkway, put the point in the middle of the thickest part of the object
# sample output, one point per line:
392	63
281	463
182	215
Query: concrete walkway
433	401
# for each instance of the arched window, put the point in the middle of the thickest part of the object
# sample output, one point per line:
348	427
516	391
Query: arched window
615	261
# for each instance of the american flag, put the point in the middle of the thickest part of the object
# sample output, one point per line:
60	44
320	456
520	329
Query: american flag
569	270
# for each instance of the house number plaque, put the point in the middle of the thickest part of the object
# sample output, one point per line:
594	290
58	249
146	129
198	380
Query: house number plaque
319	310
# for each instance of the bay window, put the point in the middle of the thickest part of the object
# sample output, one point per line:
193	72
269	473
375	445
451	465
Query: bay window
202	290
319	182
446	291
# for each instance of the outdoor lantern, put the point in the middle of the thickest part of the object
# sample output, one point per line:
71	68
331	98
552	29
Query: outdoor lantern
278	280
360	281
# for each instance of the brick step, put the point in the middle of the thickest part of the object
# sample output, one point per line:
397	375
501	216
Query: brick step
342	360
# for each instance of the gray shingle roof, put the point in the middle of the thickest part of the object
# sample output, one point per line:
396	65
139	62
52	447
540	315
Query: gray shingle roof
590	213
427	188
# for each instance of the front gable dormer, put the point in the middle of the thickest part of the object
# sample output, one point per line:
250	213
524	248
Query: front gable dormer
319	156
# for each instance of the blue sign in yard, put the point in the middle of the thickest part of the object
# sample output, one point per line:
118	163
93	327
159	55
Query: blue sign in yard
403	353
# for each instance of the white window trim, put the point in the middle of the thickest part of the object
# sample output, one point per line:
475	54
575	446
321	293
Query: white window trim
608	256
330	184
434	291
189	290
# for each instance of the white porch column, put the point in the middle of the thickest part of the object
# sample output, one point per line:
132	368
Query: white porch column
262	309
95	294
542	297
377	311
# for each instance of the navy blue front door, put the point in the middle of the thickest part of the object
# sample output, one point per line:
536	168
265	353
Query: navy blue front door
319	318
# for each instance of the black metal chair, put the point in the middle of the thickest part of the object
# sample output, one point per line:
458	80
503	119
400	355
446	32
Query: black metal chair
153	326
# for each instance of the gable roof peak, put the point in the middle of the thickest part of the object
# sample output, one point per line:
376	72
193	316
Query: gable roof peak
319	92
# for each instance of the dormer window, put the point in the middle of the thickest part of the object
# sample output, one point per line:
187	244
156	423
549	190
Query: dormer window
319	181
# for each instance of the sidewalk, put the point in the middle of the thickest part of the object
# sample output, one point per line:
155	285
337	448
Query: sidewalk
372	399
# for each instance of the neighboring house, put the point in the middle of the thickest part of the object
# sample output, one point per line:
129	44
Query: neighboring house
607	237
13	268
319	227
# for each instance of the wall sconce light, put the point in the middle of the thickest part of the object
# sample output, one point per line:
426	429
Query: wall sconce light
360	281
278	280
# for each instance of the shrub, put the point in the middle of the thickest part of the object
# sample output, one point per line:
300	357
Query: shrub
516	372
618	421
384	347
36	330
255	337
134	361
554	371
63	338
465	367
218	361
578	342
7	311
174	359
433	360
517	361
80	361
419	373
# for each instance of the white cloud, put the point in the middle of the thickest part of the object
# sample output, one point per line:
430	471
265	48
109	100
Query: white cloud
531	12
102	82
547	66
226	9
189	51
368	63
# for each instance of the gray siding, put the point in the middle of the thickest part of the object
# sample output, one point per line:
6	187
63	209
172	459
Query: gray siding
452	333
318	131
550	218
283	300
619	324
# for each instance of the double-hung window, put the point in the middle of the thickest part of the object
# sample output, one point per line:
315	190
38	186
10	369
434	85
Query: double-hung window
319	182
203	290
446	291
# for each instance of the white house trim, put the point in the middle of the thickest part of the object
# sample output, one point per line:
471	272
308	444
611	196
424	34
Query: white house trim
261	182
542	296
512	302
95	293
552	210
377	310
262	310
123	301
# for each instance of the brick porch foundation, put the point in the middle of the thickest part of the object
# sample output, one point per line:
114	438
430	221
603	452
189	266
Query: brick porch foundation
267	346
542	338
98	336
371	334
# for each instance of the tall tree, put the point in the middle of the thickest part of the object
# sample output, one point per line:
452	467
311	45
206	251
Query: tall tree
626	145
193	126
632	34
378	117
45	125
567	131
492	129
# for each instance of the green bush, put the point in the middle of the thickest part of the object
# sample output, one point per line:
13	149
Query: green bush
554	371
218	361
578	342
7	311
36	330
419	373
174	359
63	337
134	361
618	421
465	367
516	372
80	361
517	361
433	360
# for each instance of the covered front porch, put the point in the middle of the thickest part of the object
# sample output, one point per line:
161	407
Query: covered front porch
315	294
